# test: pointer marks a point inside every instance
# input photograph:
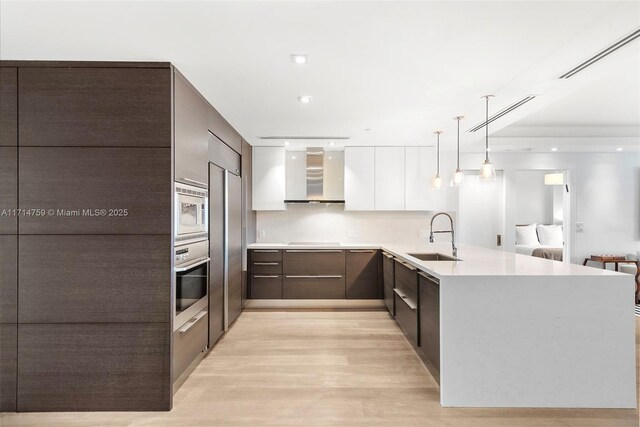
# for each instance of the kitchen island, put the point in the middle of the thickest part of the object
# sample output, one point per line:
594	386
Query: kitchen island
518	331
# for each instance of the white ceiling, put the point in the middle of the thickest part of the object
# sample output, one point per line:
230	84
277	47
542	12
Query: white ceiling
402	69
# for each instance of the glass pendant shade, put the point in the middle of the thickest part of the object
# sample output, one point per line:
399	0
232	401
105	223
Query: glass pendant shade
437	182
487	172
458	177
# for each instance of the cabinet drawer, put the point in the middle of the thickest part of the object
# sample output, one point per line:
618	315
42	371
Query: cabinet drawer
406	279
189	343
259	255
313	287
266	287
266	267
325	262
407	317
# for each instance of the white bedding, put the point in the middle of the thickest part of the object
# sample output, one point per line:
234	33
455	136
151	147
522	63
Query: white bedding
528	249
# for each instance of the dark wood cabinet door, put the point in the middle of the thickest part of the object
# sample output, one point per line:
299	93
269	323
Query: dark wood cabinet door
191	133
313	262
388	282
313	287
216	253
94	367
406	279
8	190
407	318
104	107
135	179
234	245
362	274
94	279
430	321
8	106
8	366
266	286
187	345
223	130
8	279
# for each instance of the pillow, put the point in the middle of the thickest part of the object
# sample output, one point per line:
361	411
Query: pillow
550	235
526	235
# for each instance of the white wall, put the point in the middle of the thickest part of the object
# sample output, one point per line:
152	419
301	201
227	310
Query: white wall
604	195
534	200
331	223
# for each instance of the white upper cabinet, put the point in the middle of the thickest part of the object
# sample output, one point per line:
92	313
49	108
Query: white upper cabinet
389	178
419	171
268	178
359	167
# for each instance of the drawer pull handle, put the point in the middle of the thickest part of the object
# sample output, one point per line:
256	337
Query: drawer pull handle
266	263
313	251
266	251
265	277
409	266
429	278
406	300
361	251
192	322
313	277
387	255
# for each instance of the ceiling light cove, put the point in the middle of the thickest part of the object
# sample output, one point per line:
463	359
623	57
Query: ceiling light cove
299	58
304	99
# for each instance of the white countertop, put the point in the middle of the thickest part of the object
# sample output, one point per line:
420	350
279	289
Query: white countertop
474	261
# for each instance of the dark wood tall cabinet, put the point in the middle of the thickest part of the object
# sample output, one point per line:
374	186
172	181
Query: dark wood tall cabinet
86	310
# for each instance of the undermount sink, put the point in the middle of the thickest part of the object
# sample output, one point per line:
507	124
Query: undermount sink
433	256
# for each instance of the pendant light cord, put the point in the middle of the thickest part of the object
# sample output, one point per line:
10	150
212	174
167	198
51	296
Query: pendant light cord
438	161
458	167
486	131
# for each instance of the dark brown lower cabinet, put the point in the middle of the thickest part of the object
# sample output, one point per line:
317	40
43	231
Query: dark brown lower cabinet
188	343
94	367
266	286
313	262
407	317
430	320
313	287
388	282
362	274
8	366
8	279
94	279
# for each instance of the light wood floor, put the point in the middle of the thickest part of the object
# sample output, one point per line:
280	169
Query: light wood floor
320	368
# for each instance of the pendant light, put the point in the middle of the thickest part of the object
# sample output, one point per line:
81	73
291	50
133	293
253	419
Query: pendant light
458	175
487	171
437	181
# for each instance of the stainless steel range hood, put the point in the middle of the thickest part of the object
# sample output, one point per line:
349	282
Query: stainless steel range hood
314	176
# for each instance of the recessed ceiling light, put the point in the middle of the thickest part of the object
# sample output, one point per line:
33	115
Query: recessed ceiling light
554	149
299	58
332	143
305	99
286	143
293	157
619	149
367	130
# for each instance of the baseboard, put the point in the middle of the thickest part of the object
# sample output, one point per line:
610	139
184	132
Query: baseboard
318	304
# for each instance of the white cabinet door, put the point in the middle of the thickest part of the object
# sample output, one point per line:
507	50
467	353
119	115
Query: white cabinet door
389	178
268	178
420	168
359	177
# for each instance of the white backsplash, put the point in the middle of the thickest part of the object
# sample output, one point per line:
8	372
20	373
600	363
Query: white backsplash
331	223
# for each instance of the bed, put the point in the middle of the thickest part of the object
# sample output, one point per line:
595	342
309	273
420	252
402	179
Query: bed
540	240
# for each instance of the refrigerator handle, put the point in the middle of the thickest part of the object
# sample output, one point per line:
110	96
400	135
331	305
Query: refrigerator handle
226	251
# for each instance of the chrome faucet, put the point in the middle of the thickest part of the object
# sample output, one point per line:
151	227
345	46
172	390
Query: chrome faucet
453	240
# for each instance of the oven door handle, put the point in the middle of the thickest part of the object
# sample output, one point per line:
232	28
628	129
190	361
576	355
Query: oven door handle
190	266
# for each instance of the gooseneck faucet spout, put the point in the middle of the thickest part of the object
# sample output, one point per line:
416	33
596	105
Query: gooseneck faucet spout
453	240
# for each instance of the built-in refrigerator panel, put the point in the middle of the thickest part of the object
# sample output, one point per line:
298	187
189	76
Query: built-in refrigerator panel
216	253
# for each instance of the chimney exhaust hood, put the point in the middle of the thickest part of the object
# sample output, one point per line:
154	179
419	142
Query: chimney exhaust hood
314	176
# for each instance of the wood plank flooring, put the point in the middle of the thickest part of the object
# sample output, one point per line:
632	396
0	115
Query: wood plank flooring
317	368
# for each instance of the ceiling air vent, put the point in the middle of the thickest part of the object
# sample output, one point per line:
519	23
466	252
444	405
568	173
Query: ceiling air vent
597	57
502	112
